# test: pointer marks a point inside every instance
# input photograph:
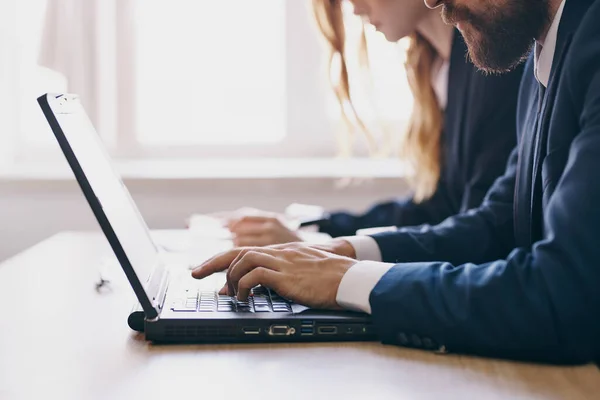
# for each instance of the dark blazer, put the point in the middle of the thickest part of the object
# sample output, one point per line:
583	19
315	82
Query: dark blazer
520	276
478	135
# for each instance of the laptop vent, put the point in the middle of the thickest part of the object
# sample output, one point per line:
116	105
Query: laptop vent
200	332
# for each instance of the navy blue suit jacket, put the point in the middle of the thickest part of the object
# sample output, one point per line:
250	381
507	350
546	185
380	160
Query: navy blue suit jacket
478	136
519	277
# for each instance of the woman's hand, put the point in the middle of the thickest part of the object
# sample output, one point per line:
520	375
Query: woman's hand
261	229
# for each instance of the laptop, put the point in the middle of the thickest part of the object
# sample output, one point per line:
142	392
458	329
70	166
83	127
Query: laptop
172	306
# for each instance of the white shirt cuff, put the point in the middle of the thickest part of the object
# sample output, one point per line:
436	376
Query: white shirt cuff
365	247
358	282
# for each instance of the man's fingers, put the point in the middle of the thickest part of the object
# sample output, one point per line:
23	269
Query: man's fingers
258	276
224	291
216	264
241	254
250	261
230	288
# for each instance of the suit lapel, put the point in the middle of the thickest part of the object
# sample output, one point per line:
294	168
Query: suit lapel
523	185
543	127
573	13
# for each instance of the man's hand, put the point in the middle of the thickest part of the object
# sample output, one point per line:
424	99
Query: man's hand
297	272
340	247
261	230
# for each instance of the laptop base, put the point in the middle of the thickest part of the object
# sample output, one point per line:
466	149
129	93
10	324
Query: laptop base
299	328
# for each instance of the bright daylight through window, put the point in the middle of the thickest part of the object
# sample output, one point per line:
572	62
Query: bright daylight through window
201	75
208	74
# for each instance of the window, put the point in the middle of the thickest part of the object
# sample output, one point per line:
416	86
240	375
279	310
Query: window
222	79
202	78
33	79
210	72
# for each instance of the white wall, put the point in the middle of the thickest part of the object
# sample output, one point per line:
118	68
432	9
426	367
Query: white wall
31	211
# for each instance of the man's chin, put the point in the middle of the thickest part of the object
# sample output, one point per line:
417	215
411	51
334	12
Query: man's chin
485	55
464	27
495	68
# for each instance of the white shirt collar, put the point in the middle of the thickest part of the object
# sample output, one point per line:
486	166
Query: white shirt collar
439	82
544	54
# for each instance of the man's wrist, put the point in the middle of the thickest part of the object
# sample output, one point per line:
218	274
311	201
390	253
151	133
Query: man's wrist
344	248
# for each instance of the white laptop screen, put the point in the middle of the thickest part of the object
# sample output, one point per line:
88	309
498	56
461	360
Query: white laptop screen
117	204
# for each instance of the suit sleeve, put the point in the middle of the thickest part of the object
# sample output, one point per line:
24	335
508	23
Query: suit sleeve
487	139
540	303
479	235
402	213
398	212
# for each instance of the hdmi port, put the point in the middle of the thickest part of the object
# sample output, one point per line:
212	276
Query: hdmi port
327	330
251	331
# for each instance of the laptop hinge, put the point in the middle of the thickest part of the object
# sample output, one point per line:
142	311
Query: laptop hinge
159	301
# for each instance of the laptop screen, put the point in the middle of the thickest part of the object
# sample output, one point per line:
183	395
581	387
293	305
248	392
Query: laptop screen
106	184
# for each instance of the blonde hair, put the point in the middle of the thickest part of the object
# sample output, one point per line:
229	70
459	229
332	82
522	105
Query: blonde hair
420	144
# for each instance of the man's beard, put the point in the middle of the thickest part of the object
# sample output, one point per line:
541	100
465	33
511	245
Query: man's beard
502	38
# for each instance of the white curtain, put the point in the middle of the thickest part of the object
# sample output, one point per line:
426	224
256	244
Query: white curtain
9	82
86	40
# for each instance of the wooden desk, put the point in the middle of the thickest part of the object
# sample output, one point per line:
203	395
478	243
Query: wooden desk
60	339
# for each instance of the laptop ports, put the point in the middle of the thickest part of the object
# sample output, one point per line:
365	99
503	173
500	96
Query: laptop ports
281	330
251	330
327	330
307	330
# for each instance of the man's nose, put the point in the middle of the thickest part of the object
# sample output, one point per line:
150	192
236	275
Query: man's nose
433	3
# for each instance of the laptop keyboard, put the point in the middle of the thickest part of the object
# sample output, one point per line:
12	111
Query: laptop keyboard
261	300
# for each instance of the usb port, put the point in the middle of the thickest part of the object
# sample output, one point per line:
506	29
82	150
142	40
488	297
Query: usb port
307	322
251	330
307	330
327	330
